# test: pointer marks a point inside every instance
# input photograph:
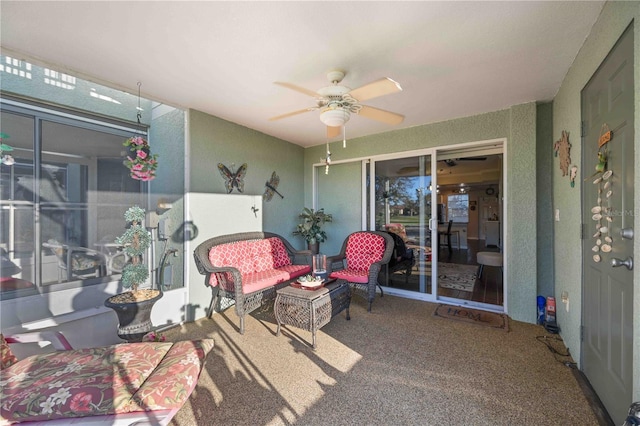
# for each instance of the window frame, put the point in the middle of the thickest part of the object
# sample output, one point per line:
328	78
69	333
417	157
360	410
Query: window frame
41	113
456	218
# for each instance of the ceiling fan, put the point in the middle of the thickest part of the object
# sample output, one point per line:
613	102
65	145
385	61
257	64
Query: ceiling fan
337	102
453	161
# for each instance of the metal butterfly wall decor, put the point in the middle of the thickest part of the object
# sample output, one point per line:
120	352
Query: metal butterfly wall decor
233	179
271	185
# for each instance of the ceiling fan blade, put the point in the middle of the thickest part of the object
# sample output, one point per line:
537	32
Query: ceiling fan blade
384	86
381	115
289	114
332	132
298	89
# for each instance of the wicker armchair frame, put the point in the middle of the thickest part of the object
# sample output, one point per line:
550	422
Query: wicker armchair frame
368	290
221	298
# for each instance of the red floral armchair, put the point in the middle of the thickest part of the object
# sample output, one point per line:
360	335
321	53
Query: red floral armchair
125	383
363	254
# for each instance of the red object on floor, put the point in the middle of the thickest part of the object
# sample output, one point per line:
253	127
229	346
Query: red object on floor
10	283
551	309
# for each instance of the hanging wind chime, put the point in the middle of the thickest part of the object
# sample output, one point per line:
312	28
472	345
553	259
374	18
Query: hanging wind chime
327	160
603	210
141	164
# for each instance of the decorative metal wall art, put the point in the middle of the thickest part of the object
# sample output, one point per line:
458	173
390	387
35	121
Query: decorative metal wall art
562	148
271	186
233	179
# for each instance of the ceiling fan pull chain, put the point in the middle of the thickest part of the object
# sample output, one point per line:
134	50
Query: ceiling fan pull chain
344	134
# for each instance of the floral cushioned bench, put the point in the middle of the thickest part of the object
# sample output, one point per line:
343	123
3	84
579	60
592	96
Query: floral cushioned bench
152	378
248	268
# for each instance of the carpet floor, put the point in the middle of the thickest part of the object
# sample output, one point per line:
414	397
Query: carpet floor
397	365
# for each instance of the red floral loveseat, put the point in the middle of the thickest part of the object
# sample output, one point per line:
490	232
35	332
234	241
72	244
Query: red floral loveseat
247	268
122	383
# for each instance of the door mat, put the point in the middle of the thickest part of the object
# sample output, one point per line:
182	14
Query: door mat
474	316
457	276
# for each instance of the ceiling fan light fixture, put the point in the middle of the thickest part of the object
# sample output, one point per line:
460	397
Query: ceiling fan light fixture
335	117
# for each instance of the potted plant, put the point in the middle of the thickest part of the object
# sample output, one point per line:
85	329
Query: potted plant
134	306
311	227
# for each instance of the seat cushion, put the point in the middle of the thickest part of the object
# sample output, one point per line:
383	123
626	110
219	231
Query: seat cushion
100	381
351	275
295	271
489	258
259	280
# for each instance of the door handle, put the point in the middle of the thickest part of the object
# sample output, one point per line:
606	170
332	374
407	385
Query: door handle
627	233
628	262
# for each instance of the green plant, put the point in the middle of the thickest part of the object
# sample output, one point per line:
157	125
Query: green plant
134	241
311	226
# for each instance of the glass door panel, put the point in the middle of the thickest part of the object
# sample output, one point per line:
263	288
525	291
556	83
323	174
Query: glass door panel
403	205
17	220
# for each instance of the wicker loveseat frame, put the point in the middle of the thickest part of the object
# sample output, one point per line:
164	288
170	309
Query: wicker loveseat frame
230	285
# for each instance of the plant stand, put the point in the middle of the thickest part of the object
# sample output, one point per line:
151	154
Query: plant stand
134	318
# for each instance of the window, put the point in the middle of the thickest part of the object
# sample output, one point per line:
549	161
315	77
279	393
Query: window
63	201
458	207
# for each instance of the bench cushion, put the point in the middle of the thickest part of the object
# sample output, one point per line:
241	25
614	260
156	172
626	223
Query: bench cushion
249	257
295	271
114	379
259	280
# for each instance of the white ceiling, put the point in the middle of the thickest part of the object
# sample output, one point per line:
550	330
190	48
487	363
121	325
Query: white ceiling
453	59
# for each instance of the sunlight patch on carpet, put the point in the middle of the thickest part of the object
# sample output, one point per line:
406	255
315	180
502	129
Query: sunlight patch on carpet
473	316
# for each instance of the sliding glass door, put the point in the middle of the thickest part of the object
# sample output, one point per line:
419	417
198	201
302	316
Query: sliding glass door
402	203
436	202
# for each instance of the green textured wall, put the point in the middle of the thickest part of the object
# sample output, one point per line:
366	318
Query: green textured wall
167	133
518	125
520	243
339	194
213	141
544	208
613	20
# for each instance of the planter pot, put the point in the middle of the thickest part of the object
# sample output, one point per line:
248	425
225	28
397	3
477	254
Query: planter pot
134	317
314	247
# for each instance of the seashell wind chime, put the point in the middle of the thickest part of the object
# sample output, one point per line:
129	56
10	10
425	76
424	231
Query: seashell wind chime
603	211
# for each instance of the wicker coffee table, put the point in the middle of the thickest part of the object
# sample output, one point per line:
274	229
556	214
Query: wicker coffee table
311	309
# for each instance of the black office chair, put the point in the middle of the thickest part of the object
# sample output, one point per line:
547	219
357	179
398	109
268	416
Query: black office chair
447	235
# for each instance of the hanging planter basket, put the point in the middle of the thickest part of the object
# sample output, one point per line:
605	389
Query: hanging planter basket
141	163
